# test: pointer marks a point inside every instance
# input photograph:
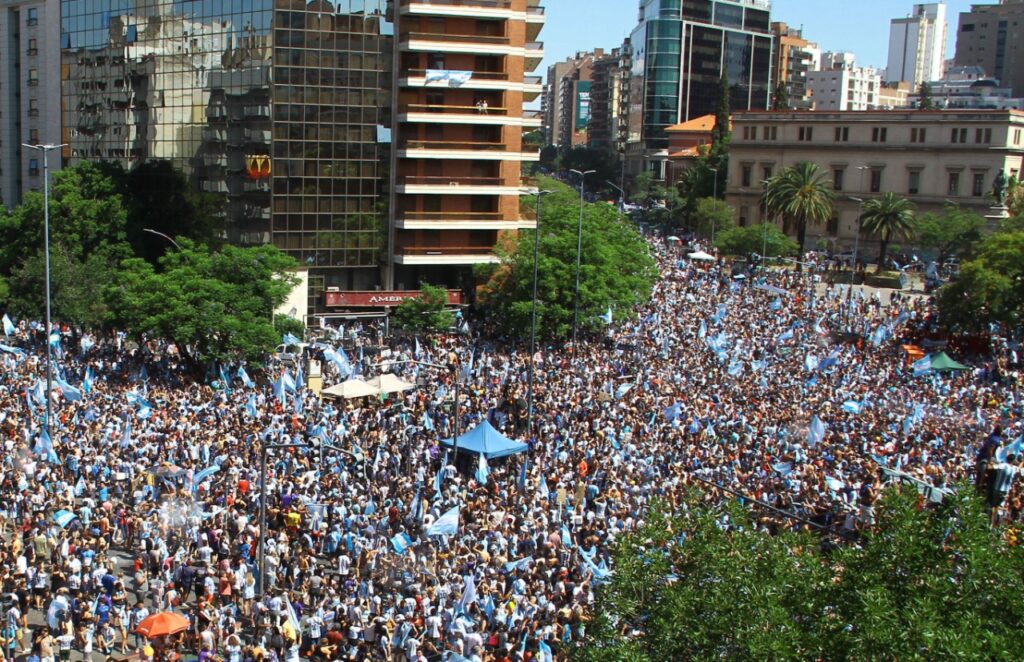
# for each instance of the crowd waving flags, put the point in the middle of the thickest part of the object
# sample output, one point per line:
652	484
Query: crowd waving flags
396	528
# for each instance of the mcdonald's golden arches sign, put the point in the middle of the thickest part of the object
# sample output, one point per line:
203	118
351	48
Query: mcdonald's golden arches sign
258	165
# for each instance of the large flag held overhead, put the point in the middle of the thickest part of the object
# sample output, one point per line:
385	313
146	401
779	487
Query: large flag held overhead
9	327
446	525
482	470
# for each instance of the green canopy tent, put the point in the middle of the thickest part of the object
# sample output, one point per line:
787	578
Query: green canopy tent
942	363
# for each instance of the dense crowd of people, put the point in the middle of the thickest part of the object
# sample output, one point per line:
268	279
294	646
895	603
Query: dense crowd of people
145	496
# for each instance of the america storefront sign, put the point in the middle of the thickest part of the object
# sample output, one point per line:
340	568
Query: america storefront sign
374	299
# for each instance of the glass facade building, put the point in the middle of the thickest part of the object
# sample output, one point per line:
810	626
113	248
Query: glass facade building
282	106
681	50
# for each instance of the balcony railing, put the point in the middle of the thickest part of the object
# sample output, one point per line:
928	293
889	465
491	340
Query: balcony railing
483	4
446	250
451	215
452	144
451	181
479	75
464	38
455	110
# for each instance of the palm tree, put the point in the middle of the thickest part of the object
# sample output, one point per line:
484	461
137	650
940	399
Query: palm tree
802	194
889	216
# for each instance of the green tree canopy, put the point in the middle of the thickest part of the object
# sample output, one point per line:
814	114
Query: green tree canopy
990	287
427	313
87	240
712	216
213	306
761	239
888	217
802	195
616	268
926	584
955	232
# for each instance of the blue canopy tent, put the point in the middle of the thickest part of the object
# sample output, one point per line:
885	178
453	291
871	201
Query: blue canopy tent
485	440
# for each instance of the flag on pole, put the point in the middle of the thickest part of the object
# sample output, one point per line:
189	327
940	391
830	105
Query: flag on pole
607	317
289	339
9	328
446	525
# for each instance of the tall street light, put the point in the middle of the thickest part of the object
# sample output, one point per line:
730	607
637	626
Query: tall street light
622	196
579	252
161	234
533	315
764	222
46	149
856	249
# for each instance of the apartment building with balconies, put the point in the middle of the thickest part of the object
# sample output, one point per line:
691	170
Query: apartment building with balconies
465	76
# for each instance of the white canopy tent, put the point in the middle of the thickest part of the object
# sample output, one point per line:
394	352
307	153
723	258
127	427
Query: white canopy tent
388	383
352	388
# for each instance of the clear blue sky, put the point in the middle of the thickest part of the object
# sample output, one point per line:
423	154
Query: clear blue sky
861	26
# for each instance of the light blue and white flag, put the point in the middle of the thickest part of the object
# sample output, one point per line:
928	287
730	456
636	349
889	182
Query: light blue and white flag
428	423
811	362
289	339
468	595
852	407
482	470
816	432
923	366
244	376
9	328
446	525
401	542
71	393
54	338
703	331
607	317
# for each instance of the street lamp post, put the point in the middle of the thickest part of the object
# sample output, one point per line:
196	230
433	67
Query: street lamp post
161	234
579	253
46	149
622	195
856	250
533	315
764	223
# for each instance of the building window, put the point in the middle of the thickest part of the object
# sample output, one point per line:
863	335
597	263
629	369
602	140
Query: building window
767	172
806	133
918	135
750	133
914	182
33	167
959	136
832	227
33	47
33	107
842	134
33	136
879	134
33	16
978	185
954	184
33	76
876	180
744	214
1016	136
745	175
982	136
837	178
769	133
